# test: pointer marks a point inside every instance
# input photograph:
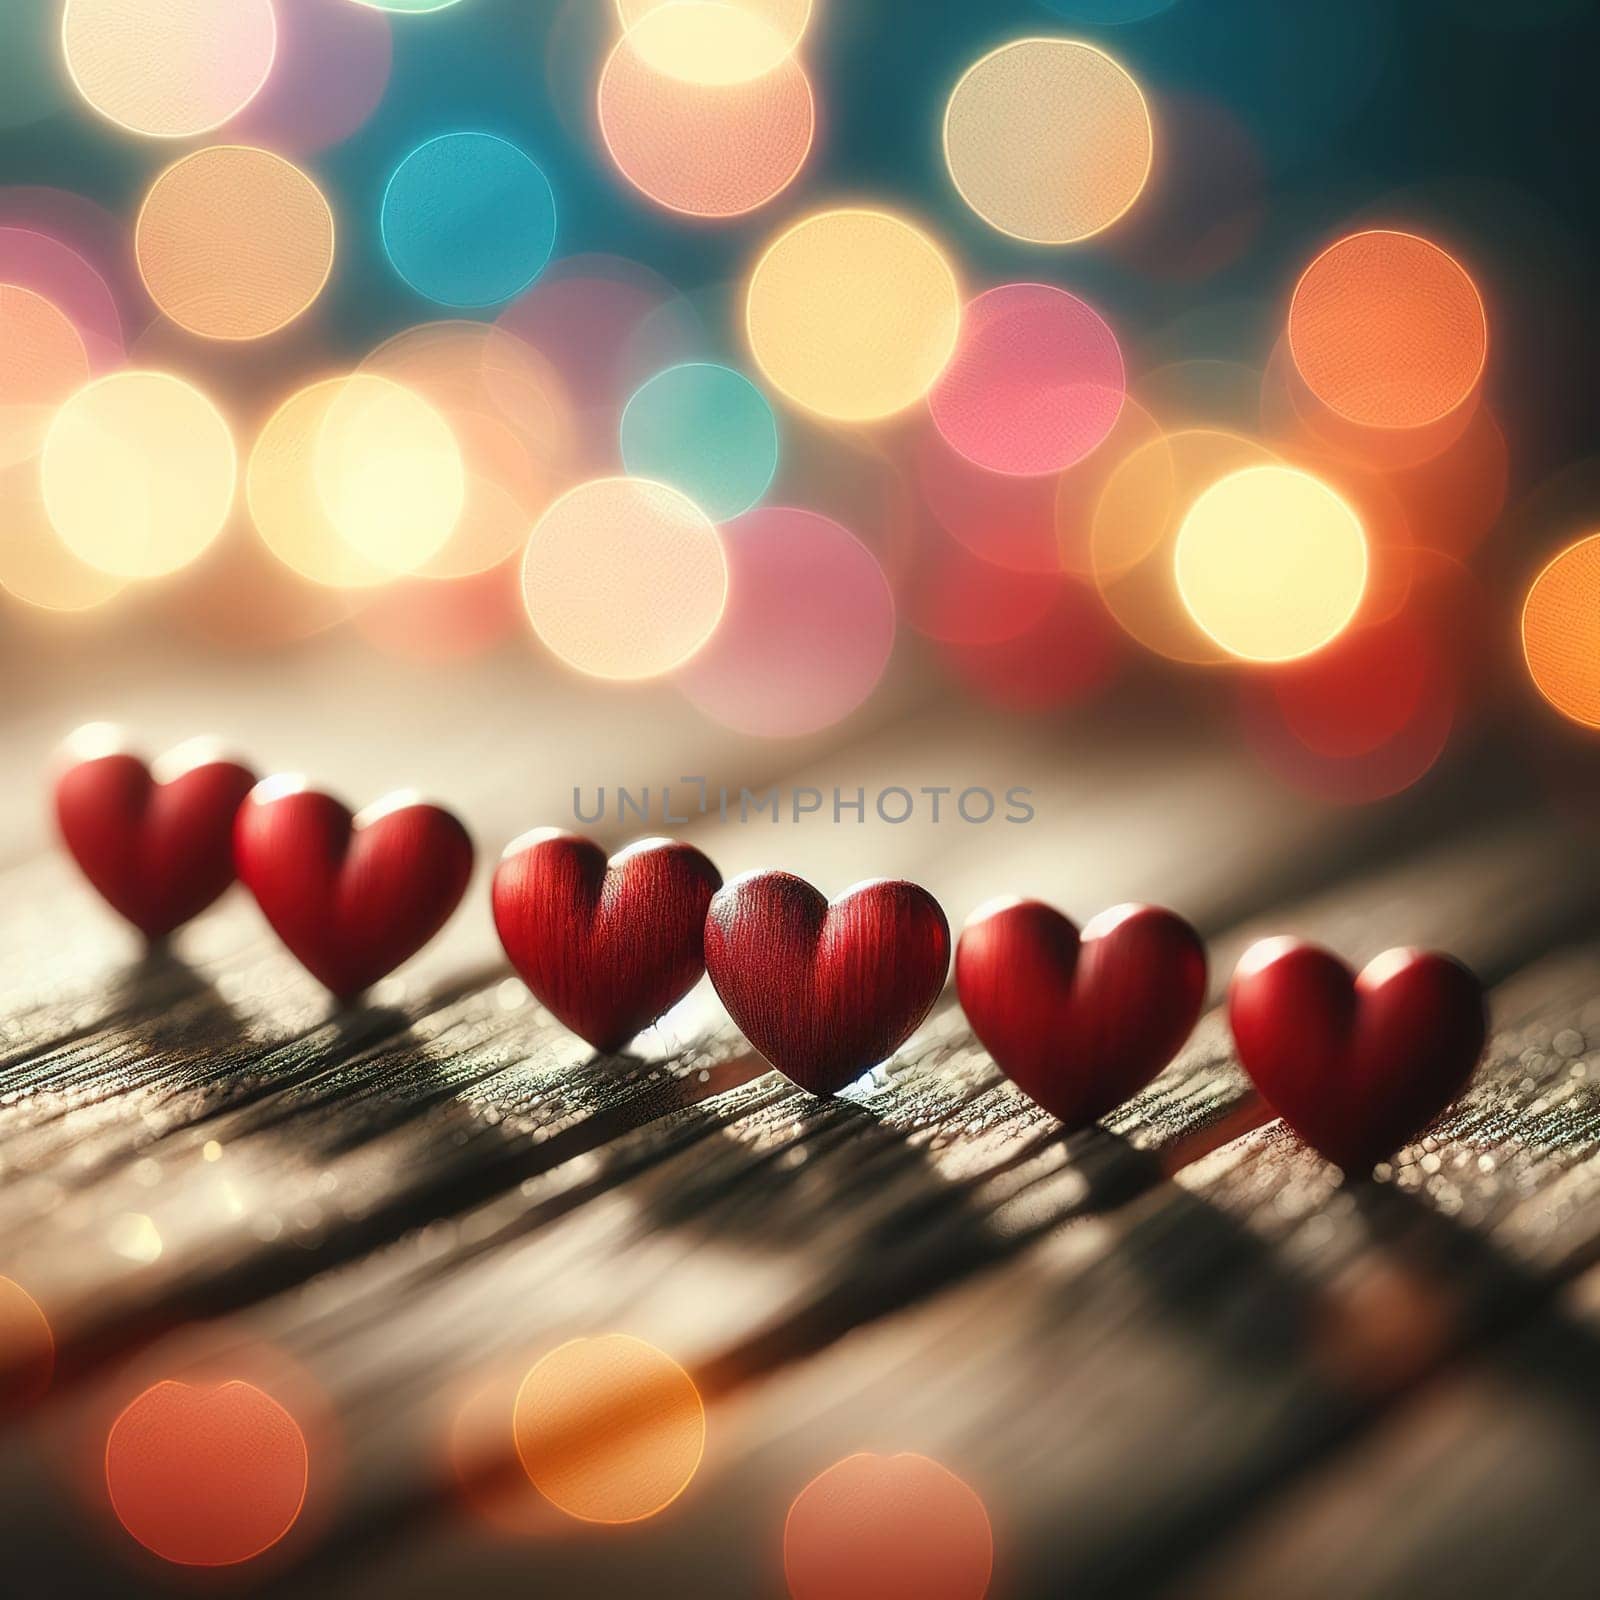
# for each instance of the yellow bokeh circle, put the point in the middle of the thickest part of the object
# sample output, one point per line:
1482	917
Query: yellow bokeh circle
1271	563
853	314
1048	140
389	473
234	242
714	42
1561	632
138	473
624	578
169	68
609	1429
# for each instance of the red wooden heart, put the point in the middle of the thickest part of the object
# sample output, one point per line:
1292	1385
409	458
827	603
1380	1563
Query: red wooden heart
1080	1025
1356	1066
352	897
158	846
605	948
826	991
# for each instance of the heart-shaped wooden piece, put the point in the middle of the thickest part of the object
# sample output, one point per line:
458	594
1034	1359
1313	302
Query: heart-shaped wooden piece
157	843
352	897
1356	1066
606	947
1080	1023
825	991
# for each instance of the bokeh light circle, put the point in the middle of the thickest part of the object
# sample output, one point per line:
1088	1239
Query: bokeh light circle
1135	526
41	262
708	150
1048	140
332	67
389	472
354	481
42	361
234	242
35	566
610	1429
704	429
512	422
27	1351
873	1526
1388	331
716	42
808	631
624	578
169	68
469	219
1271	563
1036	383
138	473
853	314
1561	632
408	7
206	1478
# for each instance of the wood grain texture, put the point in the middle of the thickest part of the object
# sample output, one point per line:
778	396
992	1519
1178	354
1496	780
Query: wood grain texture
1172	1351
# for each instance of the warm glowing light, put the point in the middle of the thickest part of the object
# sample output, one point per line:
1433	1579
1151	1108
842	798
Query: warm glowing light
609	1429
710	149
169	68
512	422
714	42
1561	632
34	564
138	473
1135	528
1078	492
354	481
42	362
853	314
389	472
1048	140
206	1477
27	1350
1388	330
469	219
624	578
876	1526
234	242
706	430
1036	384
808	630
1271	563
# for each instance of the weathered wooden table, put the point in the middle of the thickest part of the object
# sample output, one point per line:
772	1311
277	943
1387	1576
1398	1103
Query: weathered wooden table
1173	1355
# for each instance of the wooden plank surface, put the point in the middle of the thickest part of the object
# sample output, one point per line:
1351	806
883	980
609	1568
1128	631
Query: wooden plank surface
1172	1354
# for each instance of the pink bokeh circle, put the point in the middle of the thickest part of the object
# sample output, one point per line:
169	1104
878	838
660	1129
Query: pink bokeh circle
330	73
1036	383
41	263
807	632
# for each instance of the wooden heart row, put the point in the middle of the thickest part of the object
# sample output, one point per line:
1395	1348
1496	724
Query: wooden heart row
825	990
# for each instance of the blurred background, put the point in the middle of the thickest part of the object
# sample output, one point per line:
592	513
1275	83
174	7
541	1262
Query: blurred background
742	384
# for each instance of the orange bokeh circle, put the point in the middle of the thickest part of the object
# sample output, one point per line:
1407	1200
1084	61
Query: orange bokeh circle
1388	331
896	1527
609	1429
27	1350
1561	632
43	359
234	242
704	149
206	1477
